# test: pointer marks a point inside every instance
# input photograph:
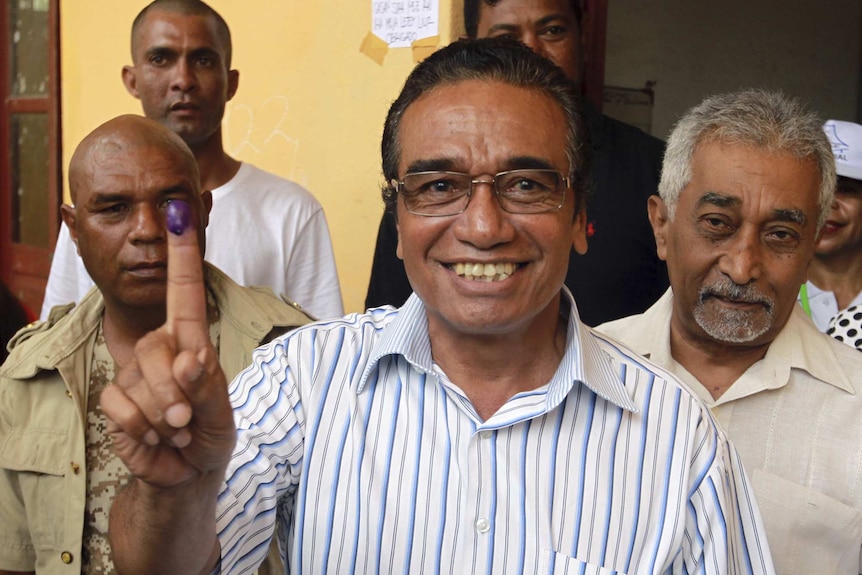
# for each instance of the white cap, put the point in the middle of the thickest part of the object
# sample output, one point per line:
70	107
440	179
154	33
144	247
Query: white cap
846	140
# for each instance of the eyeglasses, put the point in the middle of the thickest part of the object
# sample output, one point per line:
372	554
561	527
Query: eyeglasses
435	194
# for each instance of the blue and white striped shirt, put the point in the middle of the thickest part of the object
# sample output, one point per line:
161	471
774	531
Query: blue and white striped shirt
375	462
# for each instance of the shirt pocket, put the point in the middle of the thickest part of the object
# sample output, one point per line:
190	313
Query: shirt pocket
808	532
561	564
36	458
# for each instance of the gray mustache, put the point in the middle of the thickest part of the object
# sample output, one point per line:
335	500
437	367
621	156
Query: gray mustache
732	291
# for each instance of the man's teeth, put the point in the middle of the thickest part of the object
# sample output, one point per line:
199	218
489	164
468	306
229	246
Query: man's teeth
484	272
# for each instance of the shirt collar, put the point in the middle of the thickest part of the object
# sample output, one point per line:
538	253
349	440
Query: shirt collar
655	345
584	361
405	335
799	345
52	343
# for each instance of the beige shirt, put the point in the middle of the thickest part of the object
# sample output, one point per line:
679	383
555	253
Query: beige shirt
796	420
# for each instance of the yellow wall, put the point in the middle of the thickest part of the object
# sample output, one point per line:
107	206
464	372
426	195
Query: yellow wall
310	105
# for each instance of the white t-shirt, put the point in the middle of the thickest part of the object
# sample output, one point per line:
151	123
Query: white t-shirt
263	230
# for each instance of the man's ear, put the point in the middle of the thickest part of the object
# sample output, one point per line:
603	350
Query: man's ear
69	218
658	219
130	80
398	250
579	233
232	83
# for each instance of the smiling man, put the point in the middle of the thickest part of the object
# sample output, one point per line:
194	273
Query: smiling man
620	274
480	428
58	474
747	183
181	73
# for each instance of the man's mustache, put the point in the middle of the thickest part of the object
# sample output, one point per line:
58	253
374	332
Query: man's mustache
727	289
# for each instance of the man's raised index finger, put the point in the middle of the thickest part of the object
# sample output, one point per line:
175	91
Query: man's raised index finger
186	297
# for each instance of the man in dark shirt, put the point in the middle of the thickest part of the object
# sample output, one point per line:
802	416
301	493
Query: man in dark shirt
620	274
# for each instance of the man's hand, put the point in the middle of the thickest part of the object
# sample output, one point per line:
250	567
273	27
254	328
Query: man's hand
172	425
168	411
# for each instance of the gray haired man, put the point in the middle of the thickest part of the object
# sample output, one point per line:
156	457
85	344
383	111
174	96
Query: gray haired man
747	181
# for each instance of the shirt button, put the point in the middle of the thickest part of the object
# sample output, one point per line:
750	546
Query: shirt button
486	434
483	525
66	557
76	468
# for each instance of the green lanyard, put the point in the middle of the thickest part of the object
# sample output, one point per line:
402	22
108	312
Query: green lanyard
803	299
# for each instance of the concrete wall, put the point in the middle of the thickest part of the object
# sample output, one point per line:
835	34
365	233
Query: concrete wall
691	49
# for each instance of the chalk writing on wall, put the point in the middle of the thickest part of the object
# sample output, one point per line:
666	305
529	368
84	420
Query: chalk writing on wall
259	134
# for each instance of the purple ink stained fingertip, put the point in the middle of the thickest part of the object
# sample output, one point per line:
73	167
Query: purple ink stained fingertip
179	216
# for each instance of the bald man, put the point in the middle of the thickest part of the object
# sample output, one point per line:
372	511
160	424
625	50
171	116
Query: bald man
58	474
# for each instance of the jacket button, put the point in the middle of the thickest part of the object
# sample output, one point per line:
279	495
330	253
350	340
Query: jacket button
75	468
68	393
66	557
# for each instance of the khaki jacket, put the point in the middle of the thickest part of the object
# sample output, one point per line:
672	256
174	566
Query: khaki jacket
43	394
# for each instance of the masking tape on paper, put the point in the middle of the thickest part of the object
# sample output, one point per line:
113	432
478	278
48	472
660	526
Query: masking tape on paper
374	48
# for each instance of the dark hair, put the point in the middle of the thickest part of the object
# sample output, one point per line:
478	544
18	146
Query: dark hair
188	8
497	59
471	13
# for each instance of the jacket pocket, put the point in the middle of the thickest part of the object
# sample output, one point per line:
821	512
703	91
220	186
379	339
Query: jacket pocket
35	459
808	532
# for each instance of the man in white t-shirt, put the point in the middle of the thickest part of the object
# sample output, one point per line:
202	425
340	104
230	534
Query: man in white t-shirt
264	230
835	276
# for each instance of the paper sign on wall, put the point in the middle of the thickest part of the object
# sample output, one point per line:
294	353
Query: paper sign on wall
399	23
